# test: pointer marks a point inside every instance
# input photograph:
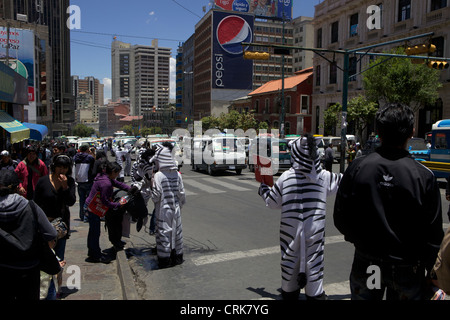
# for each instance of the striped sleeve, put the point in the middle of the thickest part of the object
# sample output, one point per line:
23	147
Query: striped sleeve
272	196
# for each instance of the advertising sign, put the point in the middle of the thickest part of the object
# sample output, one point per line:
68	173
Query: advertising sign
230	69
266	8
21	54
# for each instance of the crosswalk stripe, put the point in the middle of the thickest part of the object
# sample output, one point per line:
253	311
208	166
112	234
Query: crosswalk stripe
253	182
225	184
229	256
202	186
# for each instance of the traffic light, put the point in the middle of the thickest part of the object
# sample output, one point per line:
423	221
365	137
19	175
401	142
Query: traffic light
254	55
419	49
440	65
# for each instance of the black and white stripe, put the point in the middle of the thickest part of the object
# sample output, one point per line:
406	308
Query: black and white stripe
301	194
169	196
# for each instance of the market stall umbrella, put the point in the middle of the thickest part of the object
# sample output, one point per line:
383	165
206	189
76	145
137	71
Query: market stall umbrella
17	130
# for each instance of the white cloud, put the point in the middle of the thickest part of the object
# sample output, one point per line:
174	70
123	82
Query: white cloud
152	13
107	93
173	77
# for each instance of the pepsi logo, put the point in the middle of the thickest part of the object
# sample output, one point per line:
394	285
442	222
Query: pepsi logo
231	32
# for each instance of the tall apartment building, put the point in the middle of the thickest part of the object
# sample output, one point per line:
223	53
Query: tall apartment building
343	24
142	74
53	14
91	87
272	33
303	32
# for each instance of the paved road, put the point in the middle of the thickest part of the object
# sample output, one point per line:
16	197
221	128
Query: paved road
231	246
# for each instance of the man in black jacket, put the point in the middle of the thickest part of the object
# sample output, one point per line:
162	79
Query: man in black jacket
389	206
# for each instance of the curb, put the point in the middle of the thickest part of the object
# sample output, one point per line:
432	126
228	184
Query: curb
125	274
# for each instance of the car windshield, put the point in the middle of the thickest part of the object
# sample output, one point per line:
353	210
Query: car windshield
228	145
417	144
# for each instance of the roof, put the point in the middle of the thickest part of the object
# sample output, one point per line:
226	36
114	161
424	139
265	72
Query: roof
289	83
132	118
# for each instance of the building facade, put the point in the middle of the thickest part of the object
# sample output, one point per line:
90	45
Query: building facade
346	24
142	74
53	14
266	102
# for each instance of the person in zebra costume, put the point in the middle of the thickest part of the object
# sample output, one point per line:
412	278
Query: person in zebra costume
301	194
169	196
141	177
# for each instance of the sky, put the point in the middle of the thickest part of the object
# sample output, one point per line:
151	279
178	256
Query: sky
138	22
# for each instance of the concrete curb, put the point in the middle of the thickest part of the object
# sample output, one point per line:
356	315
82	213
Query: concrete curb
125	274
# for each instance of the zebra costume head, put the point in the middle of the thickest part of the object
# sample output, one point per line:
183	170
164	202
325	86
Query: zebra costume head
305	154
163	158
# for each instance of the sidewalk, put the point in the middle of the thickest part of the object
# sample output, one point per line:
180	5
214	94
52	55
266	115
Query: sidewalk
97	281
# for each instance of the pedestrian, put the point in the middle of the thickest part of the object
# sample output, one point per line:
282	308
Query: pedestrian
21	226
351	154
29	171
440	274
121	160
127	163
104	184
329	158
301	194
169	197
389	206
84	176
358	150
6	162
55	194
100	160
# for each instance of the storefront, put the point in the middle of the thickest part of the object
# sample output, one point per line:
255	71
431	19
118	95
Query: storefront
13	97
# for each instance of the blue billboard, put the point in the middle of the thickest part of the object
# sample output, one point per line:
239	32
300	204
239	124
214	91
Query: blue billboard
260	8
230	69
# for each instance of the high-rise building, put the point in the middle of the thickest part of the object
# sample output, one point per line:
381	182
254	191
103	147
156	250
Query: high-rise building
53	14
142	74
91	87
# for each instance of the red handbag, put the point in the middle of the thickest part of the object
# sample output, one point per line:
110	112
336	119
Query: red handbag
97	207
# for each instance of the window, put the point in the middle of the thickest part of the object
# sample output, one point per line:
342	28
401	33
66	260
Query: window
318	75
304	104
335	32
319	38
440	141
354	25
288	104
353	66
333	73
438	4
439	43
267	106
404	10
257	106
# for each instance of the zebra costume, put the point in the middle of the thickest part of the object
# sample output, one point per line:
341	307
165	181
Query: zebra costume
141	174
301	194
168	196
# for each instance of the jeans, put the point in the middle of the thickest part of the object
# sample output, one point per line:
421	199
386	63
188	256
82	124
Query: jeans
400	280
84	188
93	239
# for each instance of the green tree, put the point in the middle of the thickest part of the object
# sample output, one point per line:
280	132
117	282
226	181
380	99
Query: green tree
332	116
362	112
81	130
398	80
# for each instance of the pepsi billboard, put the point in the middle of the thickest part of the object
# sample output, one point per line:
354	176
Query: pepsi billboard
230	69
264	8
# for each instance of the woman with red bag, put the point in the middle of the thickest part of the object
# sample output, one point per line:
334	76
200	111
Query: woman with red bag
104	184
